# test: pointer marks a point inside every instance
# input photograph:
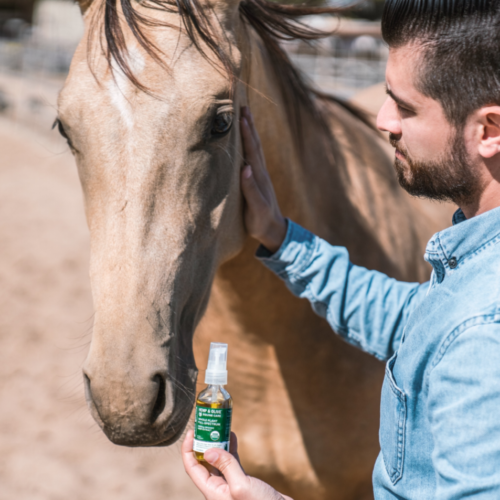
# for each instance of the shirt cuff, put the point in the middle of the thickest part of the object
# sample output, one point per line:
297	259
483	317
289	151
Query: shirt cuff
294	253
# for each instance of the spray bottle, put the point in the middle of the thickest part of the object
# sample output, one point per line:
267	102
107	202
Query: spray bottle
214	406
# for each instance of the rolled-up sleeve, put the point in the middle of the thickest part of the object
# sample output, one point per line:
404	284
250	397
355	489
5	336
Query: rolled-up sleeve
367	308
464	414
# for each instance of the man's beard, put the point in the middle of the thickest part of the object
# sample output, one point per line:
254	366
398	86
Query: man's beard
450	178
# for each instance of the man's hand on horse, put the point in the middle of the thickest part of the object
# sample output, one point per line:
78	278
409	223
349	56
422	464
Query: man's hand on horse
263	218
233	483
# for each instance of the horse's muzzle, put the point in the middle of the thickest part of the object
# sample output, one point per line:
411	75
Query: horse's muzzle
133	410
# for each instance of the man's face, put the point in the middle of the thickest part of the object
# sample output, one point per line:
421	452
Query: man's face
431	155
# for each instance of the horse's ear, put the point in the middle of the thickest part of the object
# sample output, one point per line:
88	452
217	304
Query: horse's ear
84	5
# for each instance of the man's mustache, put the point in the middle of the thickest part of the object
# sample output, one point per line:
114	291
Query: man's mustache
396	145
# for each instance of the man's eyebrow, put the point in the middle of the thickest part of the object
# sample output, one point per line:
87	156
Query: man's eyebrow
397	99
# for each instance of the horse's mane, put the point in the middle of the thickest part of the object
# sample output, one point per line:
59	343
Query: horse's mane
273	22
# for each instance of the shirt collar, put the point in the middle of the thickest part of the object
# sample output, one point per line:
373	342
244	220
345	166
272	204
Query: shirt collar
448	249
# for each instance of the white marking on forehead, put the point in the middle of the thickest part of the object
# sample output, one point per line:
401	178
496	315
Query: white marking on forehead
120	85
136	60
117	88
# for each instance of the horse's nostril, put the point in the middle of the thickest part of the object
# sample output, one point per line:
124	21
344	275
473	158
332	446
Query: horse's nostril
160	398
86	383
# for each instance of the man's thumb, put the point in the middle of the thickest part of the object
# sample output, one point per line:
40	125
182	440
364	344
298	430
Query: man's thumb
228	466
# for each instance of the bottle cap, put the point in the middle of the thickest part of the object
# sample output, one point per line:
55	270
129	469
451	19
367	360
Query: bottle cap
216	373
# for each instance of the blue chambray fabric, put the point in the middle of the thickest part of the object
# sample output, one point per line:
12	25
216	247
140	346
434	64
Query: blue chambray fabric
440	404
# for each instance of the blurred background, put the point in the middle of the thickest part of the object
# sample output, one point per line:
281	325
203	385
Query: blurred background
50	448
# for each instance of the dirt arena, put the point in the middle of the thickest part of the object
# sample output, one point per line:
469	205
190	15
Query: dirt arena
50	448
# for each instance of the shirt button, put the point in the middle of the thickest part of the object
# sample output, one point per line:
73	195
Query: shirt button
453	263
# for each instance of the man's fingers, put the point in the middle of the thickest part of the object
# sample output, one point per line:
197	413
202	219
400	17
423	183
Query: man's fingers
229	466
251	140
249	117
250	147
187	447
194	469
253	150
251	190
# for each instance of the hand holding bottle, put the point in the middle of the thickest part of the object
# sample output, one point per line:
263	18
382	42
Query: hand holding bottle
214	405
234	484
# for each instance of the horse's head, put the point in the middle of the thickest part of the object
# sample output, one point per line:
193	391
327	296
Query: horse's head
150	109
160	169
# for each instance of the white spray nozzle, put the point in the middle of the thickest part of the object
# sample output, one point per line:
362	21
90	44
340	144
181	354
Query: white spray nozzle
216	373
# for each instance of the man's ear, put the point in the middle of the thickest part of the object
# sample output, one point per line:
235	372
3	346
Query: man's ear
489	145
84	5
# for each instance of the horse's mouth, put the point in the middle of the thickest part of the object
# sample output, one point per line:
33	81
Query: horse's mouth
175	436
169	441
150	436
141	440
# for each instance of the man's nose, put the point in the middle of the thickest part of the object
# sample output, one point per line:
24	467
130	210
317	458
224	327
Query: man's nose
388	119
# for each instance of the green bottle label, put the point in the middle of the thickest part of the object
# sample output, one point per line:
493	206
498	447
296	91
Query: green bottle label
212	428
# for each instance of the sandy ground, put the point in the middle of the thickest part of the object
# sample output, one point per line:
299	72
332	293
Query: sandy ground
50	448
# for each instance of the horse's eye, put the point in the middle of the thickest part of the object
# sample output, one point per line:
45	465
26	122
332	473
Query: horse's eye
61	130
57	123
222	123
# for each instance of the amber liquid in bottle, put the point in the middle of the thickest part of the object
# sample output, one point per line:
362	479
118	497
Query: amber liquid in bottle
214	396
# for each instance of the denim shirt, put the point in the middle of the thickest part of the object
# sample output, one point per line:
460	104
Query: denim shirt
440	406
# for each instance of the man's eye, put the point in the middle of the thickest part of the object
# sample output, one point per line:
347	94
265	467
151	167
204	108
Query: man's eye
404	110
222	124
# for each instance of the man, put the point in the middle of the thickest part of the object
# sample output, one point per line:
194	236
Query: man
440	407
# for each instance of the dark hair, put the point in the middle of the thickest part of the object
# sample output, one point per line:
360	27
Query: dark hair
460	42
272	21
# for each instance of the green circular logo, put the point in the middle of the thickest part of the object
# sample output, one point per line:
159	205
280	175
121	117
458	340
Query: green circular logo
214	435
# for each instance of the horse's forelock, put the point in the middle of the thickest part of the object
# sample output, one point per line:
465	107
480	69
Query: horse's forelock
273	22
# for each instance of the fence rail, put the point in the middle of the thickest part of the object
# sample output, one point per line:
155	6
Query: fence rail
32	69
34	58
353	58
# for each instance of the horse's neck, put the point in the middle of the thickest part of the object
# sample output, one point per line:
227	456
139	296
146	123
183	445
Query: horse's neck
350	195
283	156
309	179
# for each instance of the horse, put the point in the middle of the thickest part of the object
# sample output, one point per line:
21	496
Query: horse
150	110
